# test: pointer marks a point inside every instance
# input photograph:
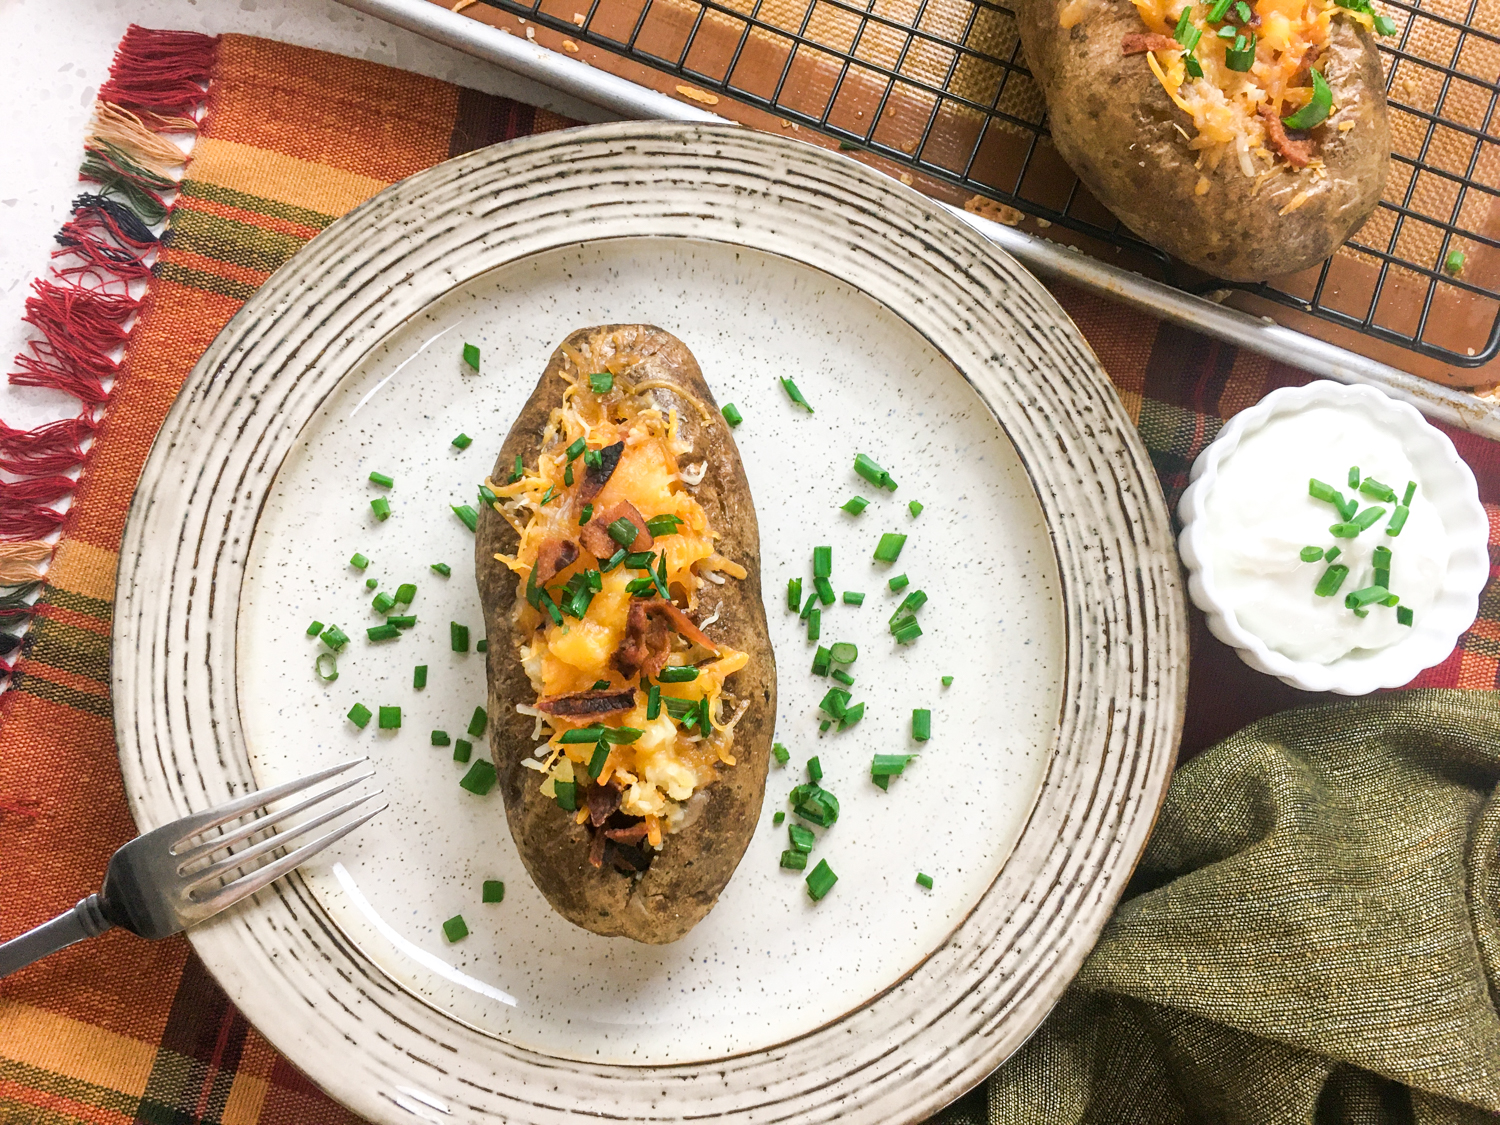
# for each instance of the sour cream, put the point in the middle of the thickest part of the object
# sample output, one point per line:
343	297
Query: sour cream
1260	516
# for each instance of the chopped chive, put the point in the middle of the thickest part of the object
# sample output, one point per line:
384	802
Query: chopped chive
1411	490
807	606
623	532
676	674
567	795
467	514
1383	578
443	568
778	818
795	395
907	631
576	449
613	561
732	414
821	881
1332	553
924	880
471	356
593	458
842	677
1380	558
405	593
825	591
883	781
546	496
900	582
1362	522
360	715
358	561
1398	520
653	702
419	677
872	472
781	754
854	505
602	382
440	738
1320	490
480	778
518	471
889	548
800	836
478	722
794	594
383	602
326	666
821	661
334	637
568	476
463	441
851	716
586	515
921	724
853	597
382	480
600	685
814	624
390	718
581	736
386	632
455	928
793	860
1332	579
315	628
463	750
664	525
371	583
834	703
596	762
1353	476
1361	611
822	562
1366	596
814	804
914	601
640	560
1377	491
1391	600
381	507
458	636
1404	615
492	890
947	681
889	765
844	652
1311	554
915	508
814	771
823	726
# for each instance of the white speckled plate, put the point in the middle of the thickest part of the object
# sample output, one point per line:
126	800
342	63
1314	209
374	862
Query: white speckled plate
1043	546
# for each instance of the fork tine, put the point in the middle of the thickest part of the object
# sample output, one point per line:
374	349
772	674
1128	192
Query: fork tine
249	884
220	814
280	840
218	843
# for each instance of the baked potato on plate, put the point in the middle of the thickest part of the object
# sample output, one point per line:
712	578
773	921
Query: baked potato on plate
1248	139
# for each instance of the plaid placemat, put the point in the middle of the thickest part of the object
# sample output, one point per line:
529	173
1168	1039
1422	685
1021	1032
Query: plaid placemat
287	140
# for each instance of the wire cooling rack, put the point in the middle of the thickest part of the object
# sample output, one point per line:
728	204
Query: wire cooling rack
941	87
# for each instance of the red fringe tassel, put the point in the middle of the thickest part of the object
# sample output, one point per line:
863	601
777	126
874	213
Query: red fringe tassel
94	319
53	448
164	72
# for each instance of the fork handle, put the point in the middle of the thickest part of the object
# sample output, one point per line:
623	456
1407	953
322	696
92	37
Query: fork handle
85	920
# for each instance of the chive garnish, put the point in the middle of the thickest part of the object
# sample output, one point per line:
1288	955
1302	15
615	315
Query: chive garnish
382	480
835	703
358	561
406	592
1220	7
458	636
907	631
732	414
419	677
602	382
814	624
1226	32
482	644
823	726
915	508
842	677
455	928
613	561
493	890
576	449
814	804
386	632
822	562
518	471
1311	554
778	817
1377	491
807	606
567	795
467	514
794	860
640	560
914	601
1332	553
371	583
1320	490
1353	476
326	666
883	781
844	652
390	718
820	881
463	441
793	594
800	836
853	597
383	602
653	702
1398	520
822	661
900	582
781	754
854	505
873	473
889	765
596	762
921	724
623	532
814	771
664	525
673	674
1369	595
546	496
825	591
851	716
478	722
360	715
568	476
315	628
1332	579
471	356
463	750
581	736
440	738
1411	490
381	507
889	548
795	395
334	637
924	880
481	777
1404	615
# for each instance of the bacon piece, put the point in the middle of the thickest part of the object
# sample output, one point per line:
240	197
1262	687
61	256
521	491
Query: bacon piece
596	535
1295	153
595	479
1139	42
587	704
632	835
646	645
602	801
681	622
554	557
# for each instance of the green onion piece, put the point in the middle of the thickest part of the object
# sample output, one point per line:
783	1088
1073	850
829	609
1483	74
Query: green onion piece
640	560
385	632
924	880
854	505
800	836
823	726
1391	600
778	818
1332	553
889	548
471	356
478	722
1384	25
613	561
596	762
814	804
914	601
1411	490
443	568
576	449
1354	476
795	395
463	441
586	515
482	645
814	771
814	624
1242	10
620	736
623	532
853	597
843	677
315	628
872	472
419	677
889	765
653	702
467	514
678	675
852	716
844	652
1226	32
1454	262
1404	615
883	781
793	594
1373	488
480	778
493	890
1218	10
382	480
1242	56
1380	557
1383	578
641	587
821	881
568	476
921	724
822	562
402	621
1368	595
358	561
900	582
1348	507
602	382
915	508
593	458
781	754
406	592
794	860
732	414
371	583
326	666
440	738
821	661
834	703
1368	518
1398	520
551	491
390	718
663	525
518	471
594	580
1184	21
600	685
463	750
381	507
1332	579
907	631
1311	554
1193	67
383	602
360	715
458	637
455	928
1360	611
581	736
1320	490
566	794
334	637
825	591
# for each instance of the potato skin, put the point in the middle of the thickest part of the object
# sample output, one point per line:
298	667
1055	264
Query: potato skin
1115	126
695	863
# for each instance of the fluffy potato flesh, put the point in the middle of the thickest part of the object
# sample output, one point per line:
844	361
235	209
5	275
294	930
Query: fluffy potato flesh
1193	165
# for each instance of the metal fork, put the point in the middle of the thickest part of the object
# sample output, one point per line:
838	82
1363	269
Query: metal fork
154	886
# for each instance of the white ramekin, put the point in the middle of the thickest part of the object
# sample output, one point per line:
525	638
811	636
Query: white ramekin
1448	483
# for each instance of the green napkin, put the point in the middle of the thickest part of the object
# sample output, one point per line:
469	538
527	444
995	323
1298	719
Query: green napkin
1311	936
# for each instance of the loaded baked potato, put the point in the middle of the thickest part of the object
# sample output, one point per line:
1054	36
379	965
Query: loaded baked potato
631	681
1248	138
